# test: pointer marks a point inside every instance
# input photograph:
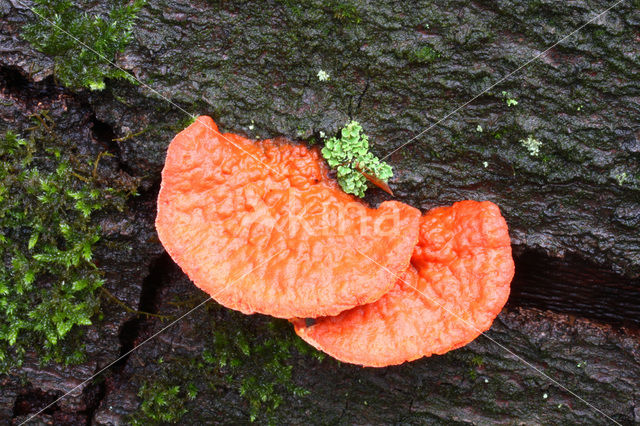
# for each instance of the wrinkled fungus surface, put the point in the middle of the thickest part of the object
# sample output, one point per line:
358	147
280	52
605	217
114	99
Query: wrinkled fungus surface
457	284
262	228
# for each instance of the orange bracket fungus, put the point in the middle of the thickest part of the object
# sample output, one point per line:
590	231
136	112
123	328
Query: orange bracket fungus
266	217
457	284
261	227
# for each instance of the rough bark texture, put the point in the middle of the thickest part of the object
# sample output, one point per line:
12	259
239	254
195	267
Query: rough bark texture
398	68
255	62
481	383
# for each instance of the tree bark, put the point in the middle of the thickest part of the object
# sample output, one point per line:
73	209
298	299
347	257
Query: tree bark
441	76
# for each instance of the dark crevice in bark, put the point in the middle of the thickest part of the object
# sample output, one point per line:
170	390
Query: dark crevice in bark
131	330
149	194
575	286
33	400
104	134
17	86
31	95
353	108
364	92
94	394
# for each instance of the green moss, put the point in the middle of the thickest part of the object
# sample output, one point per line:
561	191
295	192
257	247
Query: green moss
82	45
48	280
346	12
295	7
476	363
160	403
184	123
254	359
424	55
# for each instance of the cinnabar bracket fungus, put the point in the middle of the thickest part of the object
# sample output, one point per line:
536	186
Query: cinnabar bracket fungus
457	284
261	227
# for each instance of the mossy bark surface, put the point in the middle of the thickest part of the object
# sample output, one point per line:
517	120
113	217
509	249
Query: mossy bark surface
502	377
253	66
402	69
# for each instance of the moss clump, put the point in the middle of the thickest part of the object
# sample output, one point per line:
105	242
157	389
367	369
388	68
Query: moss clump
267	351
160	403
346	13
351	158
80	44
48	280
254	359
424	55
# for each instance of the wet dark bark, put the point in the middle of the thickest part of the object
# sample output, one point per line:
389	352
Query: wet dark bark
398	68
482	383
